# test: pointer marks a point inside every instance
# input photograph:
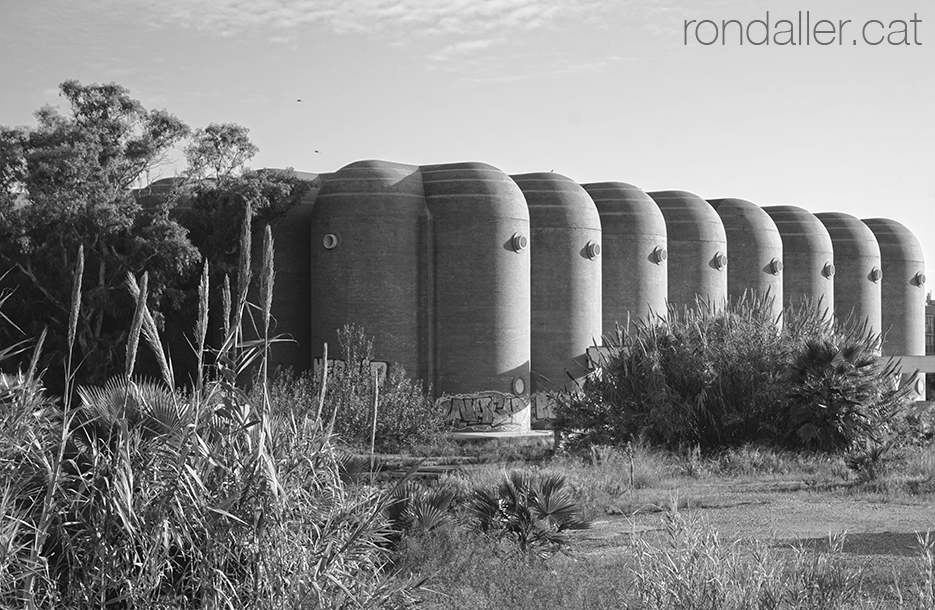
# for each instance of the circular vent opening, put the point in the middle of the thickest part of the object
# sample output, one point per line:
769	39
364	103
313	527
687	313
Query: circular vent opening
519	386
520	242
594	250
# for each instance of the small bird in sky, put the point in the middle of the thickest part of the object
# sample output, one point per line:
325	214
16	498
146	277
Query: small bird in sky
299	100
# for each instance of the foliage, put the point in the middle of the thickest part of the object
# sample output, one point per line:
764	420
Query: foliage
67	183
214	208
219	150
405	412
692	567
534	513
417	508
470	572
682	564
144	496
840	396
712	378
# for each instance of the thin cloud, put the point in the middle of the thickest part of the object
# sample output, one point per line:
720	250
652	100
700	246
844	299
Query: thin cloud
553	68
464	47
425	17
472	39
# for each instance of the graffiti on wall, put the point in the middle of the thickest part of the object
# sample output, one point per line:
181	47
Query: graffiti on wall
543	406
486	411
337	368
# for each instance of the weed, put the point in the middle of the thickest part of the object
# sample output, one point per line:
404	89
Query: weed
533	512
720	378
137	494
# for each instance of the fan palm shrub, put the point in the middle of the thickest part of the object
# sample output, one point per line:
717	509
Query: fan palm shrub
534	513
840	395
417	508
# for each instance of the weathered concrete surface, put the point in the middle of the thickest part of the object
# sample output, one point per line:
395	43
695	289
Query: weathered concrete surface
480	279
808	257
755	251
635	264
697	250
857	270
368	252
566	261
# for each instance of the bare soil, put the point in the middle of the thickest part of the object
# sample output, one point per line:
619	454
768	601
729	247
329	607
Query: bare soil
880	533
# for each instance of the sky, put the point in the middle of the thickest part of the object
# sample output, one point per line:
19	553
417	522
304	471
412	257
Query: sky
593	89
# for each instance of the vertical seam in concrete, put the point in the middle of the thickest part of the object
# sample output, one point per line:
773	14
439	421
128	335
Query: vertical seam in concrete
430	305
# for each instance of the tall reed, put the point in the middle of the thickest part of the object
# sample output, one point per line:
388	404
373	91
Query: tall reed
144	495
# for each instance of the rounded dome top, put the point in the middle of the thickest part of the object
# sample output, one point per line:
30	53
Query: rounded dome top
373	177
557	201
744	216
371	189
689	217
801	230
626	209
895	240
472	190
850	236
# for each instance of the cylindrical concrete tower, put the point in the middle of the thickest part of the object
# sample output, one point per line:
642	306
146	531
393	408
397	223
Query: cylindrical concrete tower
755	251
807	256
565	259
903	288
857	270
480	279
697	250
368	252
635	254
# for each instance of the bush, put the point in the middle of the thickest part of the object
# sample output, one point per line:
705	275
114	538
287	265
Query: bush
406	413
416	508
840	396
725	378
143	496
532	512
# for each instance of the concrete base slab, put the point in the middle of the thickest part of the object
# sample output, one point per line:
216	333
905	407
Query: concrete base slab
510	434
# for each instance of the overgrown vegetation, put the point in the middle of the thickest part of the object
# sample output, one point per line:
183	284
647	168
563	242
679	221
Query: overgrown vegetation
138	494
532	512
240	492
684	565
71	181
724	378
363	404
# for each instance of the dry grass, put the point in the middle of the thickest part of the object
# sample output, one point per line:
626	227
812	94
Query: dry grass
139	495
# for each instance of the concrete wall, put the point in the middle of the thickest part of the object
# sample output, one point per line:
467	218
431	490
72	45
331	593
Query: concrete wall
808	258
697	247
566	260
857	270
368	251
755	252
635	255
480	278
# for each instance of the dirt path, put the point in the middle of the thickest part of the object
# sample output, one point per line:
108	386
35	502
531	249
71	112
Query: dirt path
785	512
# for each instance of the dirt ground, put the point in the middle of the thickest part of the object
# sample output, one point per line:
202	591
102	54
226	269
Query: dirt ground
880	534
